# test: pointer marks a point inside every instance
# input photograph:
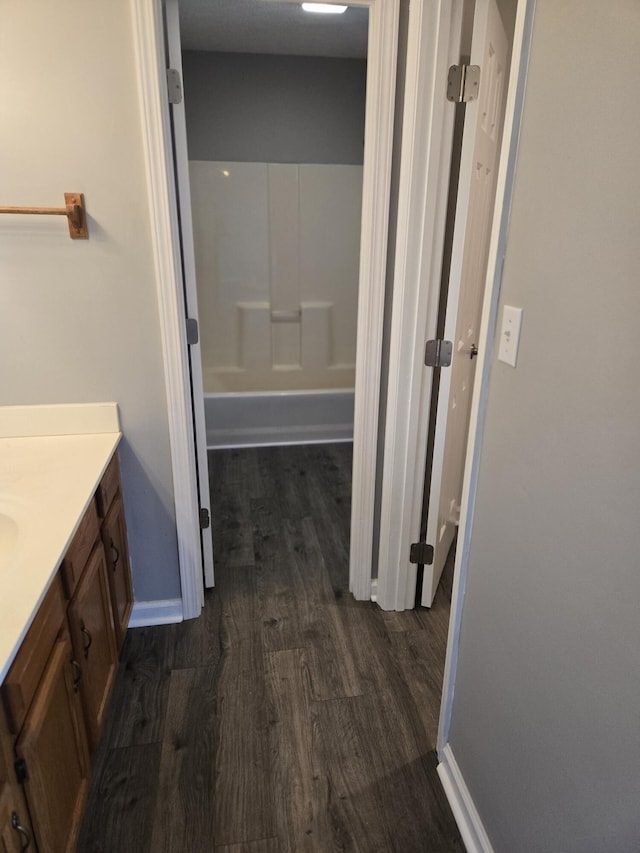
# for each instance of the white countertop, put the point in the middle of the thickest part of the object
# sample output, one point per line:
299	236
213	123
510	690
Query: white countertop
46	484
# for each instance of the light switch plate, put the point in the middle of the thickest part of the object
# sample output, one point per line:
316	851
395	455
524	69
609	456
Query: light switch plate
510	335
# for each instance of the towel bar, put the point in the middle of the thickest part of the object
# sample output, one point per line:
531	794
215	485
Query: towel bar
74	210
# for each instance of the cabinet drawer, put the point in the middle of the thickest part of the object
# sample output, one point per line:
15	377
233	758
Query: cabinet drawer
109	486
80	549
26	671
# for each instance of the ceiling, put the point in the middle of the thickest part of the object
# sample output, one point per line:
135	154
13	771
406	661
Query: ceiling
267	26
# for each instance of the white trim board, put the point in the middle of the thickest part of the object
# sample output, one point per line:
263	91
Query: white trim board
434	45
504	192
422	210
464	811
185	226
162	612
149	43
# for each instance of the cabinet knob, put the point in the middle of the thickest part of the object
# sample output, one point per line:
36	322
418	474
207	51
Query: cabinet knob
78	674
116	553
25	838
88	638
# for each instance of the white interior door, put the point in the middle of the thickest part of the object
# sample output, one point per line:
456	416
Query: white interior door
474	210
181	160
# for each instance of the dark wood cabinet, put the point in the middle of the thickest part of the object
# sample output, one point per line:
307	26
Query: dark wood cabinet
16	833
94	641
114	539
53	748
55	695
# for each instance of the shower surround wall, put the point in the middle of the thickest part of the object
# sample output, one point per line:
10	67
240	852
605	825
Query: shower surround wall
277	258
275	150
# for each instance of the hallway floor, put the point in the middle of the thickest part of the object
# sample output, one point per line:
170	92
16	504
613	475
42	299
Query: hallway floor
289	717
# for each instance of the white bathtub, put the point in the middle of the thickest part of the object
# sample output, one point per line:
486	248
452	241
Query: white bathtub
255	418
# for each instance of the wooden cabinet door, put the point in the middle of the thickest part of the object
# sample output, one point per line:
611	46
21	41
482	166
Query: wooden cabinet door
93	637
114	538
53	746
15	828
15	833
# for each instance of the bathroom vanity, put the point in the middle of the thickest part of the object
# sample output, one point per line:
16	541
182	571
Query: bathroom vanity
65	601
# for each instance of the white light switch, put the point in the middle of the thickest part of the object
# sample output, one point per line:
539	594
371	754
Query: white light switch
510	335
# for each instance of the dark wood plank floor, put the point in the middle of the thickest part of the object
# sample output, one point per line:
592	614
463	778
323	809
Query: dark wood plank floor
289	717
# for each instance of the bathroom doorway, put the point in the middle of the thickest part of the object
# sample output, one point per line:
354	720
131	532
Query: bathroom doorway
276	230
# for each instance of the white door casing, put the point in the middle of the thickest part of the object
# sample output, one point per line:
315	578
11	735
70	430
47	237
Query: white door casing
425	164
382	52
380	103
181	156
472	230
148	34
425	169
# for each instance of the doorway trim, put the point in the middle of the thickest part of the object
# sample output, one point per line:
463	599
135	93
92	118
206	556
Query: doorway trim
382	58
379	120
434	44
414	319
156	133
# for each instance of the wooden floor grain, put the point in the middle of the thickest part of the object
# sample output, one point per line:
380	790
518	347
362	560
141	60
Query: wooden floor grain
289	717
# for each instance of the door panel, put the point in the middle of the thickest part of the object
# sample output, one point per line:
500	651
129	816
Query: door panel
181	161
472	229
53	745
15	823
114	540
11	840
93	636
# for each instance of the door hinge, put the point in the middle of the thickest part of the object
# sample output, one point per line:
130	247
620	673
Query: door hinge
193	335
205	518
438	353
463	83
421	554
174	86
20	766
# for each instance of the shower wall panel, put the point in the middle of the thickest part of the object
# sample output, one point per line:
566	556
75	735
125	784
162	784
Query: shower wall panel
277	259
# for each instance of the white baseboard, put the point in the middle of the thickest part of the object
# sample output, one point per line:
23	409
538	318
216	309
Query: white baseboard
166	611
464	811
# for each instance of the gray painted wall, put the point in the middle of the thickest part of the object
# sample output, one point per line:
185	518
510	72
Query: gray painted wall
79	319
274	109
546	724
